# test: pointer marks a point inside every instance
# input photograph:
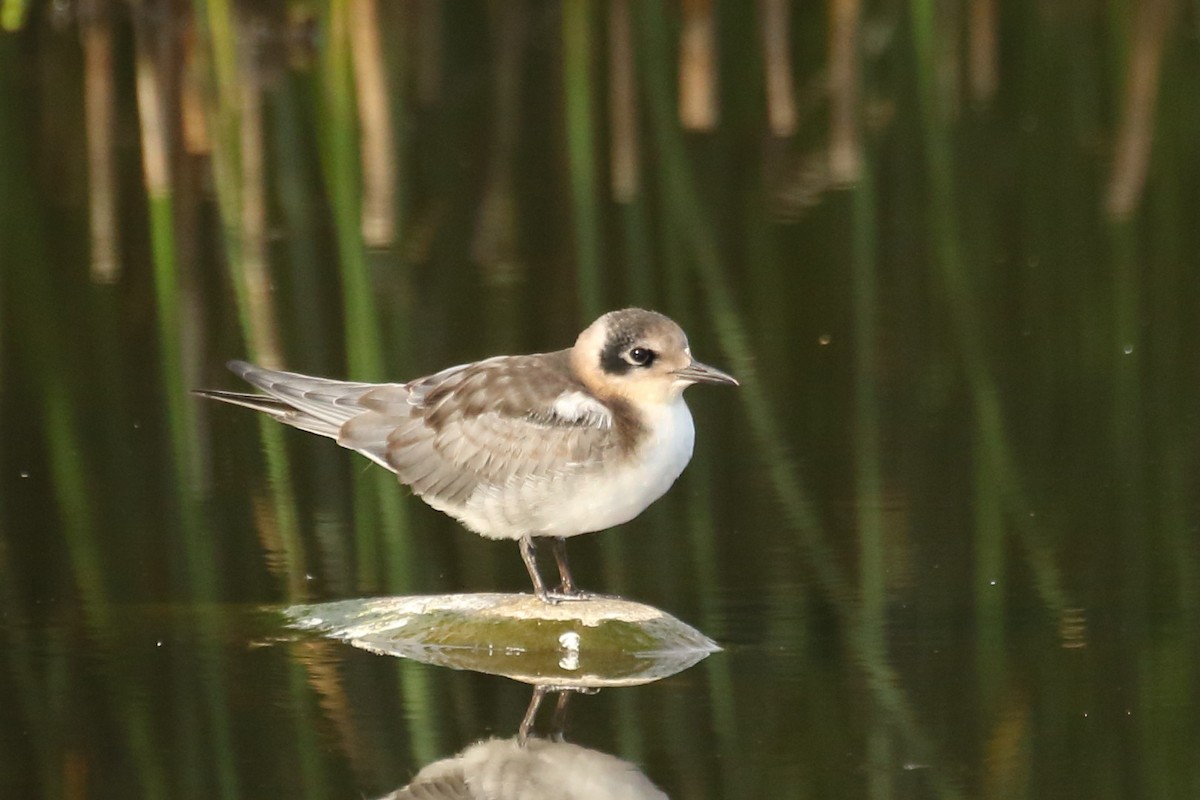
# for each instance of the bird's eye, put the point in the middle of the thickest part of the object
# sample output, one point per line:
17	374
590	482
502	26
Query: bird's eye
641	356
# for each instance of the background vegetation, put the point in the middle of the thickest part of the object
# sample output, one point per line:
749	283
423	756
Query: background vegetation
947	528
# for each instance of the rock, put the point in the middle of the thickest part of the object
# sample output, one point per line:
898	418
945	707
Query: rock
592	643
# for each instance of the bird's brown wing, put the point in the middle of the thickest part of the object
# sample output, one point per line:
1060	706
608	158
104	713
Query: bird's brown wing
489	424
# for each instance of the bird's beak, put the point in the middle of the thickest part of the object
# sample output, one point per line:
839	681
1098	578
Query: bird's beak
696	372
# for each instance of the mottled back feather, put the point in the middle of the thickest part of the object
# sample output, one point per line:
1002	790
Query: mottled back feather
485	426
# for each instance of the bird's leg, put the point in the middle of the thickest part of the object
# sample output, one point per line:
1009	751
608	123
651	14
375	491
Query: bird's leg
558	722
529	556
567	588
559	546
531	714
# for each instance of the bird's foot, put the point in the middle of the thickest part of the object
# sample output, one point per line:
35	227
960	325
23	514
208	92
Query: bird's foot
561	595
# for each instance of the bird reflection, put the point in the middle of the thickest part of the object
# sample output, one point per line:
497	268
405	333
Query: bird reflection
527	767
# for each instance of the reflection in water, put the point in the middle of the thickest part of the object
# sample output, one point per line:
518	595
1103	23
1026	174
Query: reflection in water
568	648
530	769
558	722
504	769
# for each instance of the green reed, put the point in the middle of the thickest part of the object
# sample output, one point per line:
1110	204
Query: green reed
197	567
698	480
964	312
32	688
1169	290
13	15
578	102
683	212
379	506
868	464
580	124
230	92
310	320
686	212
46	347
69	475
340	164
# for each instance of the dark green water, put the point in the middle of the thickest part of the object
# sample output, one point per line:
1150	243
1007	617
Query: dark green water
947	531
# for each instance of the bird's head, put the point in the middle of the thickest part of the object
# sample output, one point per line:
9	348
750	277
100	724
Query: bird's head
641	356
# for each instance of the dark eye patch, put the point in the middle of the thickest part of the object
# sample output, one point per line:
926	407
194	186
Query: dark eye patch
611	359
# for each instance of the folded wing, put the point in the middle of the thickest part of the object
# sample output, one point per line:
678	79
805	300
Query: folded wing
485	426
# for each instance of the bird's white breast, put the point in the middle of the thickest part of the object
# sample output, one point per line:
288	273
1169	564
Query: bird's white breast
596	499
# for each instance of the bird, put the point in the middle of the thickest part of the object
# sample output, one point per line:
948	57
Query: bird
522	447
533	769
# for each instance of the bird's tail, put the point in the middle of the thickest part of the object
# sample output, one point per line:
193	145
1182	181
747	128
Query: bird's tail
316	405
275	408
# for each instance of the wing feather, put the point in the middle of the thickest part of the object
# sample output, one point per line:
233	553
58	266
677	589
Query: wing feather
510	421
329	401
499	423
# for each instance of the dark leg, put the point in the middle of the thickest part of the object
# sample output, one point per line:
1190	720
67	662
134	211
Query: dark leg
567	585
530	714
567	590
558	722
529	556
